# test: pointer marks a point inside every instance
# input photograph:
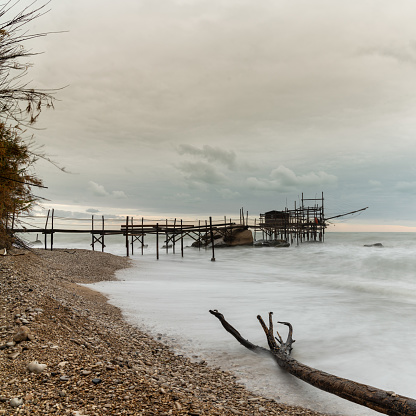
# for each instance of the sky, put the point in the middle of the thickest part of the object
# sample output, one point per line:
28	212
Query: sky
194	108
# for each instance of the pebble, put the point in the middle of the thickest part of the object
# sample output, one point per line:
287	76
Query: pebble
35	367
139	374
16	402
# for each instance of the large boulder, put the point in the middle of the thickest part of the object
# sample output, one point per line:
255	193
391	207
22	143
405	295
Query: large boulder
240	237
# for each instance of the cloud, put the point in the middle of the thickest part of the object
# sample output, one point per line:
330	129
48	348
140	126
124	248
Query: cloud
93	210
228	193
99	190
119	194
70	214
284	179
201	173
408	187
96	189
401	53
212	154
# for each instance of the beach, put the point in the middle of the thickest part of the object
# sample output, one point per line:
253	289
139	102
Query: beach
96	363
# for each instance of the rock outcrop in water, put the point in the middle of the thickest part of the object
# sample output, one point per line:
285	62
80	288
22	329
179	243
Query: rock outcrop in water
233	236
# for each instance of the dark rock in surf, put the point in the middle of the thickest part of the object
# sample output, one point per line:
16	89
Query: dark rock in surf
228	237
374	245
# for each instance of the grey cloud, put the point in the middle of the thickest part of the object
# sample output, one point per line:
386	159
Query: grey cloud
401	53
284	179
96	189
93	210
70	214
406	187
201	173
321	89
100	191
212	154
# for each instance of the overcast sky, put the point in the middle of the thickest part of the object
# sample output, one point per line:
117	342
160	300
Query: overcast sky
195	108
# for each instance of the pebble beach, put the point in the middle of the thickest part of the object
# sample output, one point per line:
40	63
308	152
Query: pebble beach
64	350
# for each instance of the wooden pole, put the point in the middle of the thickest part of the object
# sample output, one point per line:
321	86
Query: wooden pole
181	239
46	227
92	232
199	235
53	211
132	237
167	237
142	237
157	241
127	237
212	239
102	234
174	236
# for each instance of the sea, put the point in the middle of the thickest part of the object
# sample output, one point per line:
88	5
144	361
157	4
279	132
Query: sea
352	307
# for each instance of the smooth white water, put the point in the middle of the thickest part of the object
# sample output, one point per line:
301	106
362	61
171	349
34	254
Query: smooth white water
352	308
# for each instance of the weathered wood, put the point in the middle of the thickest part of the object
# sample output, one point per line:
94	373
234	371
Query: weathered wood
386	402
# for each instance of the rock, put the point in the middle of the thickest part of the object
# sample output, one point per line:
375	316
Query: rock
13	355
35	367
22	335
62	364
271	243
374	245
16	402
96	380
240	238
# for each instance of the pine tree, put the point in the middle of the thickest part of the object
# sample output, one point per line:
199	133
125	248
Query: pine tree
20	106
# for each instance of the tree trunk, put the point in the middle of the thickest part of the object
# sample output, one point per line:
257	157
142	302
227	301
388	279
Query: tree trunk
386	402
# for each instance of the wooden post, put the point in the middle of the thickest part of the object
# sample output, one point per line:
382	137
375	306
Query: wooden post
255	229
46	227
212	239
127	237
92	232
142	236
132	237
53	211
102	234
181	239
167	237
174	236
199	235
206	234
157	241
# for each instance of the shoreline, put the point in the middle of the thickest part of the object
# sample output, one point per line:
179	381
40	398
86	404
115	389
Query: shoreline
97	363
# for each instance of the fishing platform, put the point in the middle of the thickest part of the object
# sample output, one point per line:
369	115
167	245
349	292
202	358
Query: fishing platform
305	222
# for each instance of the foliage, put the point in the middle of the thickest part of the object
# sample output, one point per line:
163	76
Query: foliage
16	181
20	106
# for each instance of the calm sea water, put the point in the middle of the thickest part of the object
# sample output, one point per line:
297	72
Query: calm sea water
353	309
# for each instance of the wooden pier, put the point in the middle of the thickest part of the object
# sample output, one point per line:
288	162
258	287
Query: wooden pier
304	223
134	232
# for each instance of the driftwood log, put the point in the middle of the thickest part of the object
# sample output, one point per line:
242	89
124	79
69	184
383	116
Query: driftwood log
386	402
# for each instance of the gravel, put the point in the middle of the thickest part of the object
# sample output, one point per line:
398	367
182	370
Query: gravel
65	351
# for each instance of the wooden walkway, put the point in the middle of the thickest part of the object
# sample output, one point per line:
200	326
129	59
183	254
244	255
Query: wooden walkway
304	223
172	233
